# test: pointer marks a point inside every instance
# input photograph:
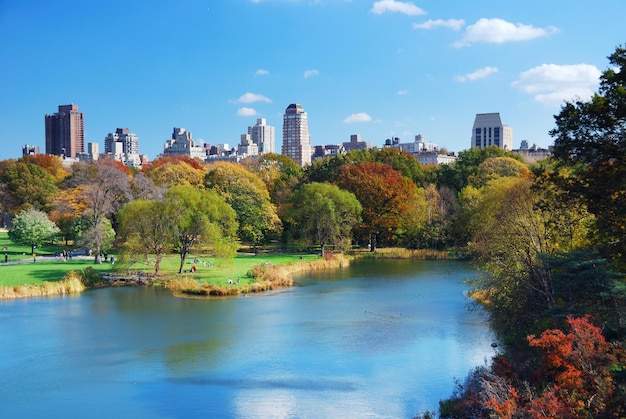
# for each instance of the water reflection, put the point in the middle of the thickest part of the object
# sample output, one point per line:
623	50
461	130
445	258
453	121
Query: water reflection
380	339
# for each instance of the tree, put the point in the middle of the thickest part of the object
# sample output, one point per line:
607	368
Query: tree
497	167
248	196
51	164
511	235
279	173
578	367
142	187
325	214
106	187
32	227
200	217
440	209
99	236
456	175
590	140
68	207
27	185
146	229
385	195
173	172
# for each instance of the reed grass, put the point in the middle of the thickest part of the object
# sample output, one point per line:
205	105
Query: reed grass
401	253
261	277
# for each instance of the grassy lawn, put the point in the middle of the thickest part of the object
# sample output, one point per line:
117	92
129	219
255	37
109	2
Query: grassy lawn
21	252
44	269
218	271
208	269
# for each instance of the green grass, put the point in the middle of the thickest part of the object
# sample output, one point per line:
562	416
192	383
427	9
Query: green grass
22	252
210	270
49	270
218	271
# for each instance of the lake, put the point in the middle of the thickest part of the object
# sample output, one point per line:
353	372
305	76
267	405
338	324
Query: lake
381	339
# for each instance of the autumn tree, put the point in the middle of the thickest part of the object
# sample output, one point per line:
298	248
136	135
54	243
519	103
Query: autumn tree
25	185
577	367
280	174
174	172
50	163
32	227
200	217
385	195
68	207
497	167
325	214
440	210
590	141
143	187
510	234
105	188
248	196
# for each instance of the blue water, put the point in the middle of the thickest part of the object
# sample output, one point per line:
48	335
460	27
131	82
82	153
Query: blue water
382	339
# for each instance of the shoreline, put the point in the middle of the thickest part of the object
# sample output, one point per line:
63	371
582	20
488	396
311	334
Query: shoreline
264	277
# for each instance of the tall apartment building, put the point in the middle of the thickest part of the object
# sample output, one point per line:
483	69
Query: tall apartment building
123	145
296	138
489	130
129	141
65	132
182	144
262	135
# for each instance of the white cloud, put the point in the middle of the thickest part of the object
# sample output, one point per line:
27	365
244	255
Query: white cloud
311	73
481	73
407	8
357	117
253	97
261	72
552	84
402	92
498	31
454	24
246	112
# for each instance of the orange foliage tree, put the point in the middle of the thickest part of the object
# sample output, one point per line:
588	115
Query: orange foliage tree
385	195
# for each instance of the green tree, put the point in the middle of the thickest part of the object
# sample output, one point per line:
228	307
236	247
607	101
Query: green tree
457	175
325	214
590	141
99	236
248	196
200	217
146	228
32	227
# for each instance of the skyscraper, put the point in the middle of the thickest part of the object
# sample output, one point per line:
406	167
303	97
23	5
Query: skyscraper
65	131
489	130
262	135
296	138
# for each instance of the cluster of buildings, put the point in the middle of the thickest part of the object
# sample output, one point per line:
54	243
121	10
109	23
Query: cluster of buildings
65	137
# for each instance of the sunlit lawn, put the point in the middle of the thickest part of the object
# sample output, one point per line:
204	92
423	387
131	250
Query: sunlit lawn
219	271
208	269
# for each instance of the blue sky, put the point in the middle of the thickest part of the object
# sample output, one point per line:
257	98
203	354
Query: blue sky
381	69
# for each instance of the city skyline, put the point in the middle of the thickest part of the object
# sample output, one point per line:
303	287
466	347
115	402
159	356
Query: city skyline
379	69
